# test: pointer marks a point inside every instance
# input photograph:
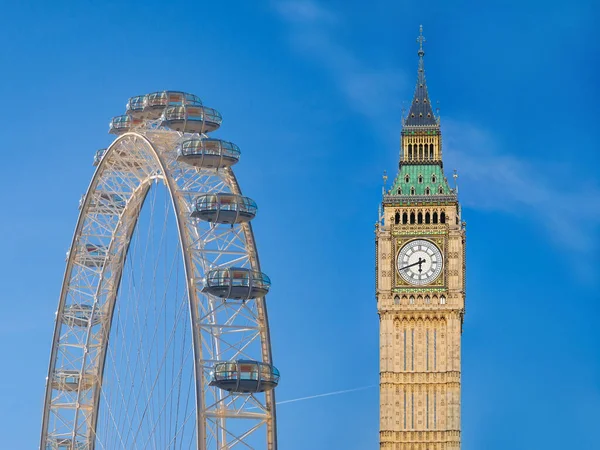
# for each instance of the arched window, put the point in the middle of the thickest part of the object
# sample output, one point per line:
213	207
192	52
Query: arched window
427	191
420	179
404	218
441	190
433	178
397	218
427	217
406	178
411	300
396	300
427	300
435	217
443	217
420	218
442	300
399	191
431	151
412	217
412	191
420	151
409	152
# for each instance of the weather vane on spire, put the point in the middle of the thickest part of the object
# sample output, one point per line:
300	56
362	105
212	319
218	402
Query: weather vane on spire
420	40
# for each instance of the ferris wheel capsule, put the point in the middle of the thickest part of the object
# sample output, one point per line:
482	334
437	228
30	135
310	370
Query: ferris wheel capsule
155	103
224	208
93	255
236	283
123	124
191	119
108	202
245	376
135	106
72	380
208	153
81	315
59	443
98	156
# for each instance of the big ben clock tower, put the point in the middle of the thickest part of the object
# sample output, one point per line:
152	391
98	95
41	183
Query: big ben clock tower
420	246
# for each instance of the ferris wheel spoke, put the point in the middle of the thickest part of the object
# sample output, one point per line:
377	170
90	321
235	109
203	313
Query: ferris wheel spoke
181	428
167	398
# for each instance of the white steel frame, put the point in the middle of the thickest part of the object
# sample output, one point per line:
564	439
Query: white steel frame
221	330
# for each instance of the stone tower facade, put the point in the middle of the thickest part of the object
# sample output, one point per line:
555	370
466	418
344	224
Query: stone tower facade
420	257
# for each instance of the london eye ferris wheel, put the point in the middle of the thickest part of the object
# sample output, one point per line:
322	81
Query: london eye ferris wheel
161	338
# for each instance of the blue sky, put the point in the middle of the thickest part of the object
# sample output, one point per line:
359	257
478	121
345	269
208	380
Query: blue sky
312	92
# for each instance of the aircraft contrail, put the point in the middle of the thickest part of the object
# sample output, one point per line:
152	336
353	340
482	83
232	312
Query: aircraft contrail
326	394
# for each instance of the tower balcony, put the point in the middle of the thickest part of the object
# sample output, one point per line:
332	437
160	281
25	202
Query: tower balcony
245	376
224	208
236	283
191	119
208	153
123	124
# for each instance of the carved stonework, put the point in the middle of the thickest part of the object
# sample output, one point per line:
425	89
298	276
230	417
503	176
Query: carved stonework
420	317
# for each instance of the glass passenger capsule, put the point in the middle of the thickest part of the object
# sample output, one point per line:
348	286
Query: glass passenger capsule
109	200
93	255
123	124
191	119
236	283
224	208
98	156
81	315
105	202
156	102
135	105
71	380
59	443
245	376
208	153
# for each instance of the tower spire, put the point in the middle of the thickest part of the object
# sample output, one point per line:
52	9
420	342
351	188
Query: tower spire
421	113
420	40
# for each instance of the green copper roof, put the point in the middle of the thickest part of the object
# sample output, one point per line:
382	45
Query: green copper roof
430	175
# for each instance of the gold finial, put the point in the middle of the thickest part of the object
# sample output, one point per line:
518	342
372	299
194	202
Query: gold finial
384	187
420	40
455	176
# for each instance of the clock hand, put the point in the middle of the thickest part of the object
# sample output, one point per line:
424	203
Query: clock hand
419	262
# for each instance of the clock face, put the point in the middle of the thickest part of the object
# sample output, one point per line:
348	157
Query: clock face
420	262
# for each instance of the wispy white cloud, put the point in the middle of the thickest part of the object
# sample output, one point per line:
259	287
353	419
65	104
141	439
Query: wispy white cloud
563	204
367	89
491	177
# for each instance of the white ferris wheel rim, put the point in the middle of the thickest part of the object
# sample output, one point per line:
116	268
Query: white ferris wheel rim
157	147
